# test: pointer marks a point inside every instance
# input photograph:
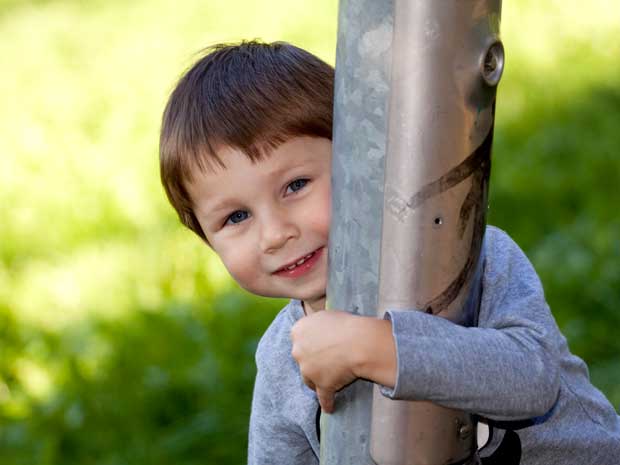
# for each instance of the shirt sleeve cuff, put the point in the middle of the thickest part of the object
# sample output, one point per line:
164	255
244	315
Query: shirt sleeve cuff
410	330
395	318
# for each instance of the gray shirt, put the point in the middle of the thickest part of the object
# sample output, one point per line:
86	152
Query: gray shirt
514	369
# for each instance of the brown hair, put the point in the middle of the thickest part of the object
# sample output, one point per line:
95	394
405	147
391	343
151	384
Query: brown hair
250	96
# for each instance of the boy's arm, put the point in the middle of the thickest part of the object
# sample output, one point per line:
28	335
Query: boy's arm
506	369
272	439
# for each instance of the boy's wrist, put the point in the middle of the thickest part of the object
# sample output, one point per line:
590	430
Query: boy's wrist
374	351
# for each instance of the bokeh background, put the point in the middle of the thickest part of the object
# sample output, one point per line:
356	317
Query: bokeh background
122	340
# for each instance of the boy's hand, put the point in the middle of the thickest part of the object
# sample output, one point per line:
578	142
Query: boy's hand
322	347
334	348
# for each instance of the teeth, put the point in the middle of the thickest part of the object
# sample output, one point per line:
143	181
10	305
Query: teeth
299	262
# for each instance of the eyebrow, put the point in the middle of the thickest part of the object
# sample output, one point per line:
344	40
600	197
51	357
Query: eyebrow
285	169
221	205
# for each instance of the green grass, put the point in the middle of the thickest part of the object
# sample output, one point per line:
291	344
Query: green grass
122	340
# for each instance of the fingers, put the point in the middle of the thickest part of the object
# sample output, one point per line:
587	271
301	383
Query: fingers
325	396
326	399
308	383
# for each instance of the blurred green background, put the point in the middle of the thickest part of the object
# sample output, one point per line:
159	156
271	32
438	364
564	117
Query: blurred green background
122	340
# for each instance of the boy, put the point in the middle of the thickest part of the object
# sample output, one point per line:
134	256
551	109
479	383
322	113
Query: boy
245	160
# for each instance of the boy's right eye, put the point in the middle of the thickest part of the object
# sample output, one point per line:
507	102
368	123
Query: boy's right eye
237	217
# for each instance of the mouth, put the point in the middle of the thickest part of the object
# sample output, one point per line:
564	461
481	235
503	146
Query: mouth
300	265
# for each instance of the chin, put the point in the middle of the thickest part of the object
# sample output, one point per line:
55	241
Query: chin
313	297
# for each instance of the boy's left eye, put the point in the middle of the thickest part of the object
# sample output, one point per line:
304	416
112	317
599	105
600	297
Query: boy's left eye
296	185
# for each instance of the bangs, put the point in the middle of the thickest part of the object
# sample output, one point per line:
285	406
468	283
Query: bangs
251	97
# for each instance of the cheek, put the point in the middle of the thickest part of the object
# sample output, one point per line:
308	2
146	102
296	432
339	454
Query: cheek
321	224
240	265
322	216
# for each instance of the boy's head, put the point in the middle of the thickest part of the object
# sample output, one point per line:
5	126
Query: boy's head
245	157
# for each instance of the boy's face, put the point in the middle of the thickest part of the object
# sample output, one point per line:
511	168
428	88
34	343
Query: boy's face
269	221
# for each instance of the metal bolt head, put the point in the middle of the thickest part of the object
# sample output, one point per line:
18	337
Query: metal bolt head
492	65
465	431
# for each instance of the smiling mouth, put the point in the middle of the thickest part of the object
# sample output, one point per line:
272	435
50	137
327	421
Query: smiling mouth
299	262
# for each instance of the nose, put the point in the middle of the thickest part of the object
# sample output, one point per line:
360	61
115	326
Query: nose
277	228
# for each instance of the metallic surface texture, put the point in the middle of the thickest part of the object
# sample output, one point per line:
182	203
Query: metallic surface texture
446	61
360	119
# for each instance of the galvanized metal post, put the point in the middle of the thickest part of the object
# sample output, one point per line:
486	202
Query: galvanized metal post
443	64
360	131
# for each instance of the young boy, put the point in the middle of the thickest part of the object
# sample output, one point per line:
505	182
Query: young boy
245	161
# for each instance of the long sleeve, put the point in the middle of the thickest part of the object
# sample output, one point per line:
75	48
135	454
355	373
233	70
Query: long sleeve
515	365
283	426
507	368
273	440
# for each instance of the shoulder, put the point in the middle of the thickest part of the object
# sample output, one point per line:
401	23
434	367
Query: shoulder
274	347
500	247
505	264
512	293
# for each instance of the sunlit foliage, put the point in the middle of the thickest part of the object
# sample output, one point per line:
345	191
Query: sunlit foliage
122	340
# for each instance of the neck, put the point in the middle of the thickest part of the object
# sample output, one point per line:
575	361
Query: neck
313	306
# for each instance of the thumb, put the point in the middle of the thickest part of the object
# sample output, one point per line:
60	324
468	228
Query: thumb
326	399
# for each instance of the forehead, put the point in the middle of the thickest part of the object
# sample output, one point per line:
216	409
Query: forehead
239	174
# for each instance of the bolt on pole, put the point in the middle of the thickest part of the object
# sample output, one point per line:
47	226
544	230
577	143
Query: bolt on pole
414	112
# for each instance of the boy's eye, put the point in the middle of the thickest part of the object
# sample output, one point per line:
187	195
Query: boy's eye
296	185
237	217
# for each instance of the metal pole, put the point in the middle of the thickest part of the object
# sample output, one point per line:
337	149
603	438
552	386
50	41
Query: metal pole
446	60
360	123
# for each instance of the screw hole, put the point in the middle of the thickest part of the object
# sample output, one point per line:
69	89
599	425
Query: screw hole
438	221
